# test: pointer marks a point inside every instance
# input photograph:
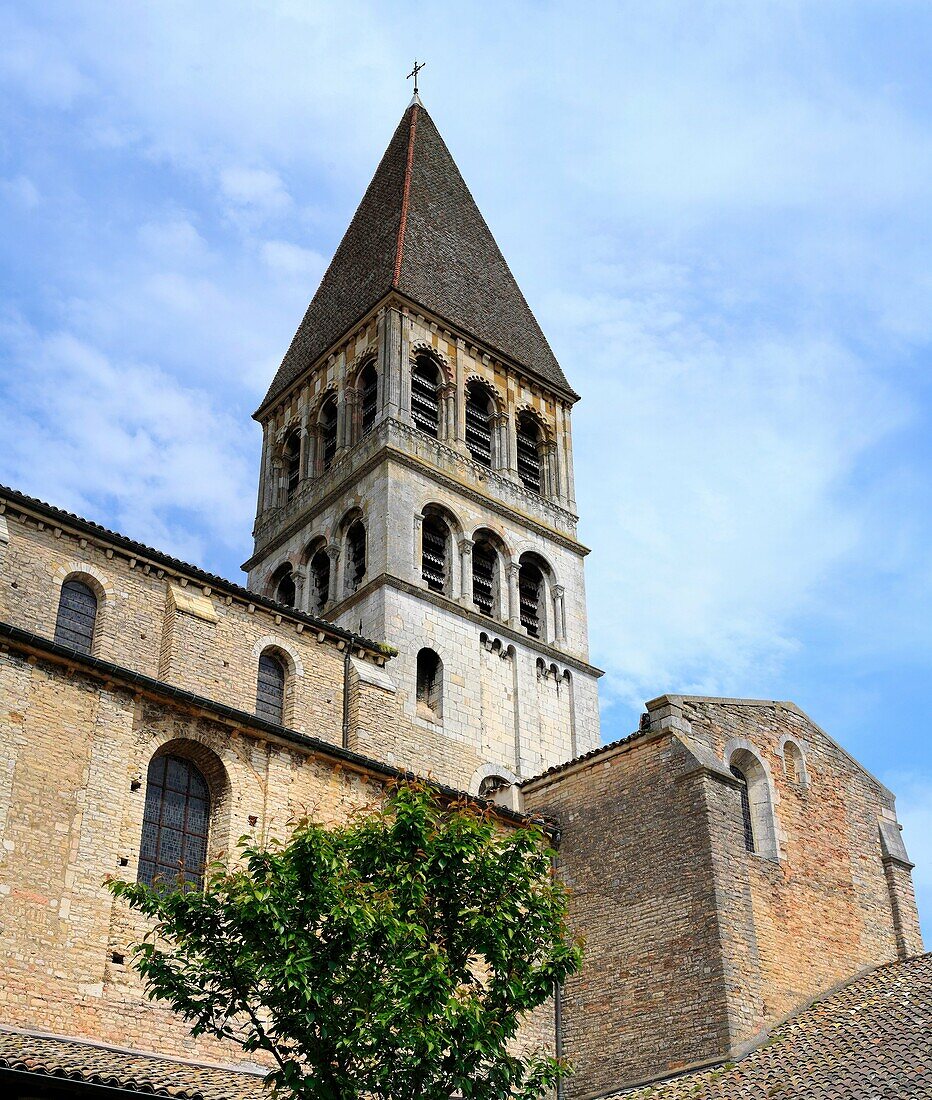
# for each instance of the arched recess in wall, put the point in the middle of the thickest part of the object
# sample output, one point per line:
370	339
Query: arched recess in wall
489	564
318	576
794	763
275	685
758	818
429	685
185	815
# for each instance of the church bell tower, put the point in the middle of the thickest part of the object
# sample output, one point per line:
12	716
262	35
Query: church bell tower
417	480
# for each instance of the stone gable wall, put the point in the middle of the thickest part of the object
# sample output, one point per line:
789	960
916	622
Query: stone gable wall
695	945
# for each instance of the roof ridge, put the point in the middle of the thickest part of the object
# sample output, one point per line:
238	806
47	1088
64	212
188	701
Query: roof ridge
405	196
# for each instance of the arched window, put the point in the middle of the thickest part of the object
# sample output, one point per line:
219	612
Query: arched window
485	576
429	685
174	824
328	432
77	615
320	580
425	395
529	452
479	423
283	589
355	555
745	808
292	460
369	396
270	688
530	590
758	820
435	541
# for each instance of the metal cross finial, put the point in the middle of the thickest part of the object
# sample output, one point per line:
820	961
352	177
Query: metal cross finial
417	68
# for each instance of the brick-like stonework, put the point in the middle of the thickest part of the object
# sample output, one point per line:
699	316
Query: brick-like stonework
693	944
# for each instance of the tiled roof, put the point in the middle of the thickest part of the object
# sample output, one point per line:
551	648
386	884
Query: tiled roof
582	758
418	231
12	498
87	1063
870	1040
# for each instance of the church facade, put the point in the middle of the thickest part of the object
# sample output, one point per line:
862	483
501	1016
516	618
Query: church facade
415	603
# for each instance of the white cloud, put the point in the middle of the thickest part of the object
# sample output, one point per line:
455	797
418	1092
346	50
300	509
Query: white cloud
21	192
174	240
256	188
292	260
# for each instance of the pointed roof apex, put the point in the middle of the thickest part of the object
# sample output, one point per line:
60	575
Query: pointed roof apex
419	232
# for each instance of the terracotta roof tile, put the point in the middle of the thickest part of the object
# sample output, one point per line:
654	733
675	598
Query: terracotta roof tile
87	1063
870	1040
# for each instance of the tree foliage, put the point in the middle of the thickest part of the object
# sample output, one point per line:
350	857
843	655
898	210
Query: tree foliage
391	957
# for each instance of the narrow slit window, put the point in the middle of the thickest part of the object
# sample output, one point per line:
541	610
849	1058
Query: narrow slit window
320	580
529	453
479	424
530	583
328	432
484	561
270	688
173	849
745	809
356	548
429	684
77	616
370	394
435	536
425	396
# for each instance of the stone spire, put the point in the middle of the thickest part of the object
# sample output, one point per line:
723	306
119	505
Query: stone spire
419	233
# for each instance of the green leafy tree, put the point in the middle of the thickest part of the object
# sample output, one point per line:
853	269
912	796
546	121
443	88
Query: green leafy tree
391	957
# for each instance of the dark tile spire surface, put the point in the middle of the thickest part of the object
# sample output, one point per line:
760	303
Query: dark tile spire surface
418	231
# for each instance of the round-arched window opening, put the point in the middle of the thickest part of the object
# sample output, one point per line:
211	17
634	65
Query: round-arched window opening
425	395
491	785
429	693
173	850
435	547
283	586
745	808
270	687
355	556
479	410
758	820
328	432
369	397
77	615
320	580
485	575
292	462
528	441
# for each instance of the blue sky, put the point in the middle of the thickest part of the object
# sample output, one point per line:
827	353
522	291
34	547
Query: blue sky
720	213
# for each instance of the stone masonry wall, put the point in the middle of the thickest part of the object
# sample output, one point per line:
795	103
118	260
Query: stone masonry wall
74	751
694	944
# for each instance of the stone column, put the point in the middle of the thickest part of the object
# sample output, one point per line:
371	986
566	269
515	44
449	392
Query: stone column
459	434
404	367
514	598
511	438
499	441
333	553
390	362
265	471
278	484
418	547
447	396
312	449
559	614
568	459
299	576
350	432
548	470
466	546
